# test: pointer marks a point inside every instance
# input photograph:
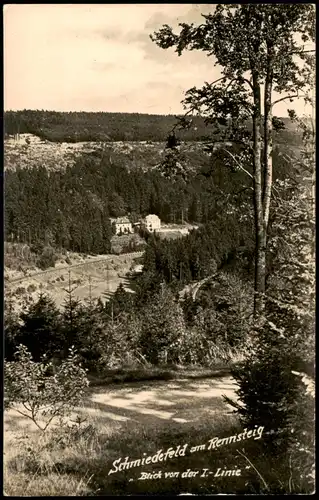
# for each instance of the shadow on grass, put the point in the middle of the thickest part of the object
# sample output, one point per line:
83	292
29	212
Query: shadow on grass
171	372
180	400
151	413
195	472
255	469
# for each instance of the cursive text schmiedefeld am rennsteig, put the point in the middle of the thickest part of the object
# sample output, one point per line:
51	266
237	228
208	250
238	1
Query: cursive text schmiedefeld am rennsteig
161	456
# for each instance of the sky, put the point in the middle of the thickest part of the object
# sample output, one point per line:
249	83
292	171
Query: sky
92	57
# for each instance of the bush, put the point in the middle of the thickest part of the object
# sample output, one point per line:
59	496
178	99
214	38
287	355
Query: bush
43	397
47	258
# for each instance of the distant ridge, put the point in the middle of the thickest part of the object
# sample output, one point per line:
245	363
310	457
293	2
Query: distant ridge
76	126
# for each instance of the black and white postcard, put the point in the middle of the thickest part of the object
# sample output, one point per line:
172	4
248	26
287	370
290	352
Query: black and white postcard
159	249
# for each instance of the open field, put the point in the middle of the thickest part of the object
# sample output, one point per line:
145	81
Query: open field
128	422
120	421
174	231
149	402
97	276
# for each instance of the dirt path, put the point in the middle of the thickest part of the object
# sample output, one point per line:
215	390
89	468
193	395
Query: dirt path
194	287
148	403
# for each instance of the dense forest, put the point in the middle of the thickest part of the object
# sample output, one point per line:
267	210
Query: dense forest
88	126
70	209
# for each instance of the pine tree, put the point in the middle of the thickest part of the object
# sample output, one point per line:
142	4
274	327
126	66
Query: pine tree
71	319
162	328
11	328
40	331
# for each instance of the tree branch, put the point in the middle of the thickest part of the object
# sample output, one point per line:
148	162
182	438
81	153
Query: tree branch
237	163
242	190
219	79
287	97
243	143
249	83
301	52
28	416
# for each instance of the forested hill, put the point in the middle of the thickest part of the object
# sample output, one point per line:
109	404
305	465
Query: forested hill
88	126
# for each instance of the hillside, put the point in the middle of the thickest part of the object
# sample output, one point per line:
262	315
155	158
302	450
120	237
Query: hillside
90	277
29	151
74	127
88	126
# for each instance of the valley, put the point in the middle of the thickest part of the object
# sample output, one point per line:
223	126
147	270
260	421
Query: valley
89	278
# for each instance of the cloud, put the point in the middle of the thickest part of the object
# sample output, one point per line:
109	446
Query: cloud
191	14
157	20
99	57
59	56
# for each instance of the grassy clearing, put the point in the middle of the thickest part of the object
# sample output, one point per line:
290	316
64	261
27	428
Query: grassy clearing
78	462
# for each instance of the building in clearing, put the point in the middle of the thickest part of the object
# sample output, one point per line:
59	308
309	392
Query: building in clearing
152	223
122	225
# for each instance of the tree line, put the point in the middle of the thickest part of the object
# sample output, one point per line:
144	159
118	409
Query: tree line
103	126
99	126
71	208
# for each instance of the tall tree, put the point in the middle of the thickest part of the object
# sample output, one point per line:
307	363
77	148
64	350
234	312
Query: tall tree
260	49
40	331
271	378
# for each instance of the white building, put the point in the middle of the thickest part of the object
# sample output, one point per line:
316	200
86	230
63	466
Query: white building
122	225
152	222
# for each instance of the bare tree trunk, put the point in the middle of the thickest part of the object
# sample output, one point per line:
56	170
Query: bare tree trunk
268	146
260	264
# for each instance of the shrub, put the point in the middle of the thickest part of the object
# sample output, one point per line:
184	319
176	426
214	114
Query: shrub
163	327
43	397
47	258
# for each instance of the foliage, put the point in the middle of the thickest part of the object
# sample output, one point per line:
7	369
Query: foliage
175	164
224	310
38	329
47	258
271	392
254	46
162	329
11	328
88	330
213	246
119	345
43	397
